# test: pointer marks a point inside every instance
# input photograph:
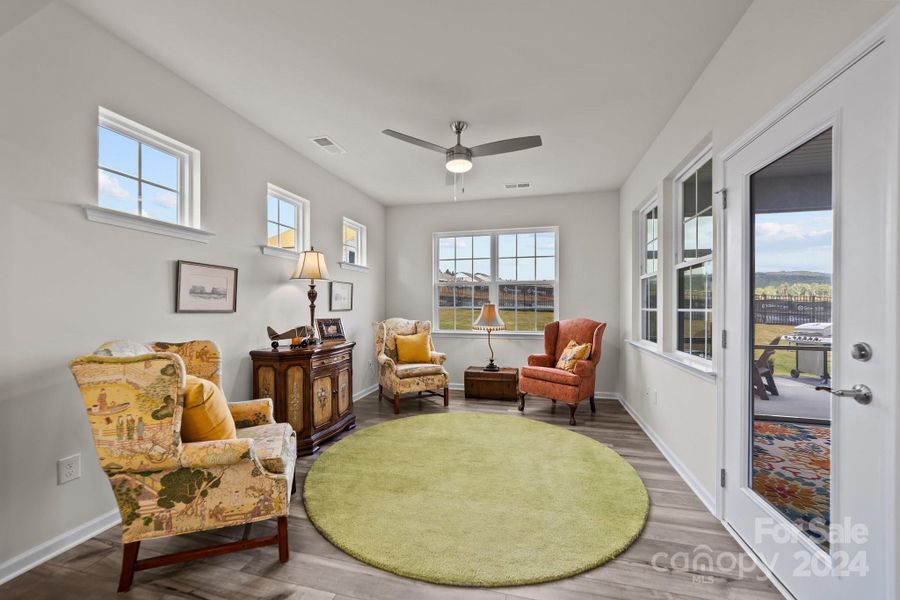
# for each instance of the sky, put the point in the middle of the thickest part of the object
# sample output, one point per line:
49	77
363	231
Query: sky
797	241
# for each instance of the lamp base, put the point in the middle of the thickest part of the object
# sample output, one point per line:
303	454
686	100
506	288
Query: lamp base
491	366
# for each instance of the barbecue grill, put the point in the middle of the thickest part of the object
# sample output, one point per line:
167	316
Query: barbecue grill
811	360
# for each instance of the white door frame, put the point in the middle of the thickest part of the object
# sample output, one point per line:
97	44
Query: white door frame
886	31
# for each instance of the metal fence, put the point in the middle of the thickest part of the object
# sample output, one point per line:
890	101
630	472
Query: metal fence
791	310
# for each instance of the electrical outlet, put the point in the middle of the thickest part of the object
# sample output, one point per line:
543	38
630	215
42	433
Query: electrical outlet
68	468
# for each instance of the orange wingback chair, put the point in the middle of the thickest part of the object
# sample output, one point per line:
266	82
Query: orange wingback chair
542	378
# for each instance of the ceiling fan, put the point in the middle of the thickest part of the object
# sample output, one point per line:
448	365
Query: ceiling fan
459	157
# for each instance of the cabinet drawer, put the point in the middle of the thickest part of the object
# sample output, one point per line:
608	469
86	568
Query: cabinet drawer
328	361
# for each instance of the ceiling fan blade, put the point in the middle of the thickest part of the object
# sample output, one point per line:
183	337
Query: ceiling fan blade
410	139
510	145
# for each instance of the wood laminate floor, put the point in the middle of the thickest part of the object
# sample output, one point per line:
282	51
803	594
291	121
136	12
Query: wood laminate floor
679	529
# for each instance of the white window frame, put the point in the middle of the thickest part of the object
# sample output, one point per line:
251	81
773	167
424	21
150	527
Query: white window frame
301	226
682	263
643	275
361	262
494	284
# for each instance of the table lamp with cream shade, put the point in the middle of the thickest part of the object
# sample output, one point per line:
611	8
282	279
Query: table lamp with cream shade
311	265
489	320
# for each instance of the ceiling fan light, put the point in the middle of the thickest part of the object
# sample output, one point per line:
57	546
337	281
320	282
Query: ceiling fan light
459	165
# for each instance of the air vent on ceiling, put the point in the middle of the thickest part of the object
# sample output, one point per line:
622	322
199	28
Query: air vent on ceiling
521	185
328	145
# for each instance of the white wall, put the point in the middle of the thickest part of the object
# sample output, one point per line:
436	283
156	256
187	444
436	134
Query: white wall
69	284
774	48
588	269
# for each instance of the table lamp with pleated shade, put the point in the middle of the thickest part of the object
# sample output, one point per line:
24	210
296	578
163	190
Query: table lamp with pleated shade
311	265
489	320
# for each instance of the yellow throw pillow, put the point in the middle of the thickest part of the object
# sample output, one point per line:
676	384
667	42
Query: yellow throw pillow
206	415
413	348
572	354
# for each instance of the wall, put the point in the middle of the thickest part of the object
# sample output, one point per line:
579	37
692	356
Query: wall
69	284
772	50
588	272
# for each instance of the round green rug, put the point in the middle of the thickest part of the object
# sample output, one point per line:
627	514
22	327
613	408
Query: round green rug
475	500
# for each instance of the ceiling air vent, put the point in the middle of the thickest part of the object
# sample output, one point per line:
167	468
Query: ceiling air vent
521	185
328	145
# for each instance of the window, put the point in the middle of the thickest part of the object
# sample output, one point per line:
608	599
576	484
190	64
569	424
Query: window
516	269
285	213
693	273
649	240
354	240
144	173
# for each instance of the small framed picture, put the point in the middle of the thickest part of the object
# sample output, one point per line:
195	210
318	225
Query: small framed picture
330	329
202	288
341	296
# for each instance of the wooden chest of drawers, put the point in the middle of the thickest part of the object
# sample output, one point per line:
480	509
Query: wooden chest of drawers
311	388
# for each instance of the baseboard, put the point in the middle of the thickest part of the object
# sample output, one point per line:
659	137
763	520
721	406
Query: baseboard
43	552
708	499
365	392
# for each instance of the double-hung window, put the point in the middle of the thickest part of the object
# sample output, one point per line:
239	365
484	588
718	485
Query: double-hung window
515	269
145	173
693	271
649	260
287	220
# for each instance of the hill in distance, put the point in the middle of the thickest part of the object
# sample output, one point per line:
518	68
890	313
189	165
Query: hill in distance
776	278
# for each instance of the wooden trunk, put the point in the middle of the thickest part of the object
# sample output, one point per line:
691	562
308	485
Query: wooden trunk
311	388
494	385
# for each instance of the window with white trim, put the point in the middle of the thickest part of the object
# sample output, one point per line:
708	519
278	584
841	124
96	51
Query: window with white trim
515	269
649	265
694	269
145	173
354	243
287	219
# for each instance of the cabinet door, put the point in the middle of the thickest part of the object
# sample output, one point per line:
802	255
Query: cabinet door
294	383
322	401
265	383
343	395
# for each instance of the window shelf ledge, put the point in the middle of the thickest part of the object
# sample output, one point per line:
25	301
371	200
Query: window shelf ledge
693	367
494	334
108	216
354	267
280	253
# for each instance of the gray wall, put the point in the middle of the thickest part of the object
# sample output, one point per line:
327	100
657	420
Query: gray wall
69	284
588	269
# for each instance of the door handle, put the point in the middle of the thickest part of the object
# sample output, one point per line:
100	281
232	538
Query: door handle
859	392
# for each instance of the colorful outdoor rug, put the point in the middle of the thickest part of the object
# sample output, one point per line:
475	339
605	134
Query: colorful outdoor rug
792	469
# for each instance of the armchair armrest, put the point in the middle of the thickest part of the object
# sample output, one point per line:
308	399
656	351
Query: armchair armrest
584	368
385	361
438	358
217	453
540	360
252	412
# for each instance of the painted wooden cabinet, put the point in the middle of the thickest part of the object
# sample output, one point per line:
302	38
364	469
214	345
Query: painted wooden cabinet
311	388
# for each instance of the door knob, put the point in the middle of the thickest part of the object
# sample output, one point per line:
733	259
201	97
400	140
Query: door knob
859	392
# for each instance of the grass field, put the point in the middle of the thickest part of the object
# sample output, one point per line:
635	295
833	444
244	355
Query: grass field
784	361
527	320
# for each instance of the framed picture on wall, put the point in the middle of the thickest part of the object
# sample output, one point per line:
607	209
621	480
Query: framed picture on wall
202	288
330	329
341	296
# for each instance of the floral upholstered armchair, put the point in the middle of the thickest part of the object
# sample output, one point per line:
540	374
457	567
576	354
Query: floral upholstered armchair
402	378
133	394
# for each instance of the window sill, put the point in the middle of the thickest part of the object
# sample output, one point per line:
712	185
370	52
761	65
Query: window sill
280	253
98	214
693	367
354	267
494	334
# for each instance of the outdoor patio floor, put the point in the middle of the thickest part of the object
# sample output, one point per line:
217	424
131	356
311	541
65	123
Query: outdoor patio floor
797	398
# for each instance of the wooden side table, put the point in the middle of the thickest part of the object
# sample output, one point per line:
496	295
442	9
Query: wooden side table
493	385
311	388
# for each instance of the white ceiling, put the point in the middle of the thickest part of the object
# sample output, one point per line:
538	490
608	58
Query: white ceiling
597	79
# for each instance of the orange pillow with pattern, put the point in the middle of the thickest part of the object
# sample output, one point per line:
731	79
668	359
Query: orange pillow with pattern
572	354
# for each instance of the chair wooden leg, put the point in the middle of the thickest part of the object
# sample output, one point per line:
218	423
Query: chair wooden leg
593	406
380	391
521	401
396	403
553	401
446	396
572	408
129	558
283	550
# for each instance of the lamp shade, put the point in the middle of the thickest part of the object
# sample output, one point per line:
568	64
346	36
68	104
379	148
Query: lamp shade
489	319
310	266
